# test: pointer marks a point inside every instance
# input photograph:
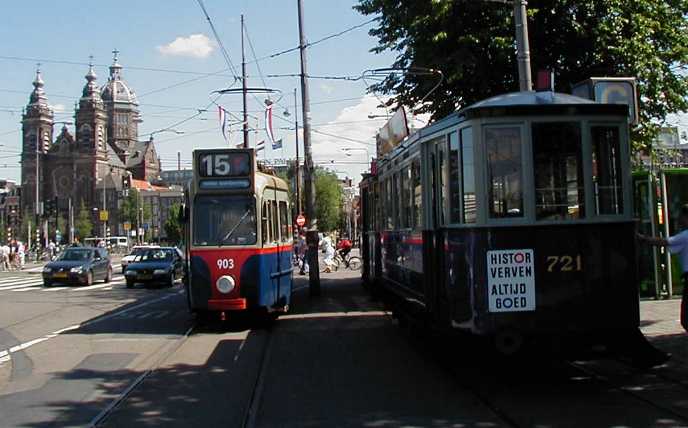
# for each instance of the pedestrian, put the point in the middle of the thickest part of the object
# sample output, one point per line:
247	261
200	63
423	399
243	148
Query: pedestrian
328	249
3	266
21	253
677	244
301	249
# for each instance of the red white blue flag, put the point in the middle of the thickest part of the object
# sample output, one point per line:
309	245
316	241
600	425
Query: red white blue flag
223	121
268	124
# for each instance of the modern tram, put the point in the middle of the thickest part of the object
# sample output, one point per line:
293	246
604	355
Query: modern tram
510	219
239	236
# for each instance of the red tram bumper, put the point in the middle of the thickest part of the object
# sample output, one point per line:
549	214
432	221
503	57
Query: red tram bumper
227	304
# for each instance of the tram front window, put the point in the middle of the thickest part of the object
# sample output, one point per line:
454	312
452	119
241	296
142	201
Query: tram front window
505	171
606	170
558	167
224	220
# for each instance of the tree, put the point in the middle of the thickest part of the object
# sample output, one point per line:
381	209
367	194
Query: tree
173	228
328	199
472	42
83	223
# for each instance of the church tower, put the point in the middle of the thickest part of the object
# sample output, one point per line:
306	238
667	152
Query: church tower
37	135
122	110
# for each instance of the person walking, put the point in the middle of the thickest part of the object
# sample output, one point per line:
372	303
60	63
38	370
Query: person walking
677	244
301	248
328	249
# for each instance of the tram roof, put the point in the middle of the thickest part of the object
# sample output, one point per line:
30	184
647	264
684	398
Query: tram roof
543	103
268	180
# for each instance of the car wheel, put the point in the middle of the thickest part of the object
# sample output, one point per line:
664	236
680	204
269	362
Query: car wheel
89	278
47	283
130	283
108	275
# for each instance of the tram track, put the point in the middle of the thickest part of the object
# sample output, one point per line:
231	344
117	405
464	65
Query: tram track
253	406
101	417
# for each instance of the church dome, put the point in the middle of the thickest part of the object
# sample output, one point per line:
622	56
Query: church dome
117	90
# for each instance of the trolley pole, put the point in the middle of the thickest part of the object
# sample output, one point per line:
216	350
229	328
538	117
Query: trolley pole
243	83
312	234
523	56
298	166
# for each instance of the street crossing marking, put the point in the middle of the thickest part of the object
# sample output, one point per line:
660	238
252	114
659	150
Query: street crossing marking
97	286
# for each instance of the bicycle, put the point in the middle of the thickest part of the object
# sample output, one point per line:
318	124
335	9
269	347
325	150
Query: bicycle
350	262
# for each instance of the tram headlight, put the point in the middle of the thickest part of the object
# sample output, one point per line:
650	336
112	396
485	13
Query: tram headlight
77	269
225	284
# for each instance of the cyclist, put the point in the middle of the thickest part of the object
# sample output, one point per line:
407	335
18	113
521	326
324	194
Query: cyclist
344	247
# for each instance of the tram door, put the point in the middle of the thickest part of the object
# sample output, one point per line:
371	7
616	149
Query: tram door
434	238
271	238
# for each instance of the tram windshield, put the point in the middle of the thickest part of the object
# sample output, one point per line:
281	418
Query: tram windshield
224	220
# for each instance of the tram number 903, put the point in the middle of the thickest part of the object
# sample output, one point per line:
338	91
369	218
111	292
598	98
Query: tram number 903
565	263
225	263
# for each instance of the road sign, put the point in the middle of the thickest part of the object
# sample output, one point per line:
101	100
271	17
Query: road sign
103	215
127	225
300	220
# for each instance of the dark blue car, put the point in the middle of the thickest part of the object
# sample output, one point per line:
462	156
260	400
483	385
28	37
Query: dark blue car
162	265
79	265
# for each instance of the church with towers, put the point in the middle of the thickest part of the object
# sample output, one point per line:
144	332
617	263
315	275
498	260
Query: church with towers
95	162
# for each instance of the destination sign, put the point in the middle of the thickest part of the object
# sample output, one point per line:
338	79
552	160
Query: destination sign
224	164
511	280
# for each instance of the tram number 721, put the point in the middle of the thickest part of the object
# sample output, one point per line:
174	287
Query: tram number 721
225	264
565	263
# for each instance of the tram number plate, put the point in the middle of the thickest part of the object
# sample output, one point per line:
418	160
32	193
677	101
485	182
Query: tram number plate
511	280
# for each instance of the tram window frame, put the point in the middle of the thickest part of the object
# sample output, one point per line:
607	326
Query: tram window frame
264	223
284	220
554	142
417	193
389	208
274	221
468	179
455	173
406	195
619	189
519	173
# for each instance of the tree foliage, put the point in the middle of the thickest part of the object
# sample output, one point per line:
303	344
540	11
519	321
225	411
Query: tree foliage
173	228
83	225
473	43
328	199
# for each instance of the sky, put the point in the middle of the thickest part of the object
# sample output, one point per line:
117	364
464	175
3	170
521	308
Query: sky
173	62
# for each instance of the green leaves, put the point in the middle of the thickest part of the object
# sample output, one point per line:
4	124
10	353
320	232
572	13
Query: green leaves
473	43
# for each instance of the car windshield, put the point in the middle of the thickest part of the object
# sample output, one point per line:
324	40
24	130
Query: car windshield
76	255
224	220
154	255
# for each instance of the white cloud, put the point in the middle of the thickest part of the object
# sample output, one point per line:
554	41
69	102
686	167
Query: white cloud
195	46
352	129
58	108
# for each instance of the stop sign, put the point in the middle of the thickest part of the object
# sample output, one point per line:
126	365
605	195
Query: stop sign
300	220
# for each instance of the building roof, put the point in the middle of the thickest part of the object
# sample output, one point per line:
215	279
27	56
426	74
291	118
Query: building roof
137	153
113	159
117	90
143	185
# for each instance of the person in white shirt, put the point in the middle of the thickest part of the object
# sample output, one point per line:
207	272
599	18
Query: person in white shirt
328	248
677	244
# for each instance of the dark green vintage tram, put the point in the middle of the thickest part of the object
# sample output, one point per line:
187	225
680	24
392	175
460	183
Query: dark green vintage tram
510	219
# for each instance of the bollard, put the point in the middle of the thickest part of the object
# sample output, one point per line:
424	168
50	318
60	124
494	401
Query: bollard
312	241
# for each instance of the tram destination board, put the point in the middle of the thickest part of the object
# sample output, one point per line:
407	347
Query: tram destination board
511	280
224	169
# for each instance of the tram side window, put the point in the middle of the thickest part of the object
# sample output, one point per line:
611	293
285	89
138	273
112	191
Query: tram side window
284	221
505	171
406	200
273	221
389	208
454	178
417	195
606	170
468	167
264	229
558	168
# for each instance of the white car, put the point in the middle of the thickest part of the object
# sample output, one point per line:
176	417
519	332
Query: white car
135	252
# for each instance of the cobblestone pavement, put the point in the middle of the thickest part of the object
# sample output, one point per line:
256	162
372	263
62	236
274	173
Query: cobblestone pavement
659	321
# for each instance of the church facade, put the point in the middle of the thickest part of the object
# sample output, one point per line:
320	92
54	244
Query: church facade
92	165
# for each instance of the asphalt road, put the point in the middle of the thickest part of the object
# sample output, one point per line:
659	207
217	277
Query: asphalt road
136	358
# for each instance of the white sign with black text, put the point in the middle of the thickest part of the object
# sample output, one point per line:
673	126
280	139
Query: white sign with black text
511	280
